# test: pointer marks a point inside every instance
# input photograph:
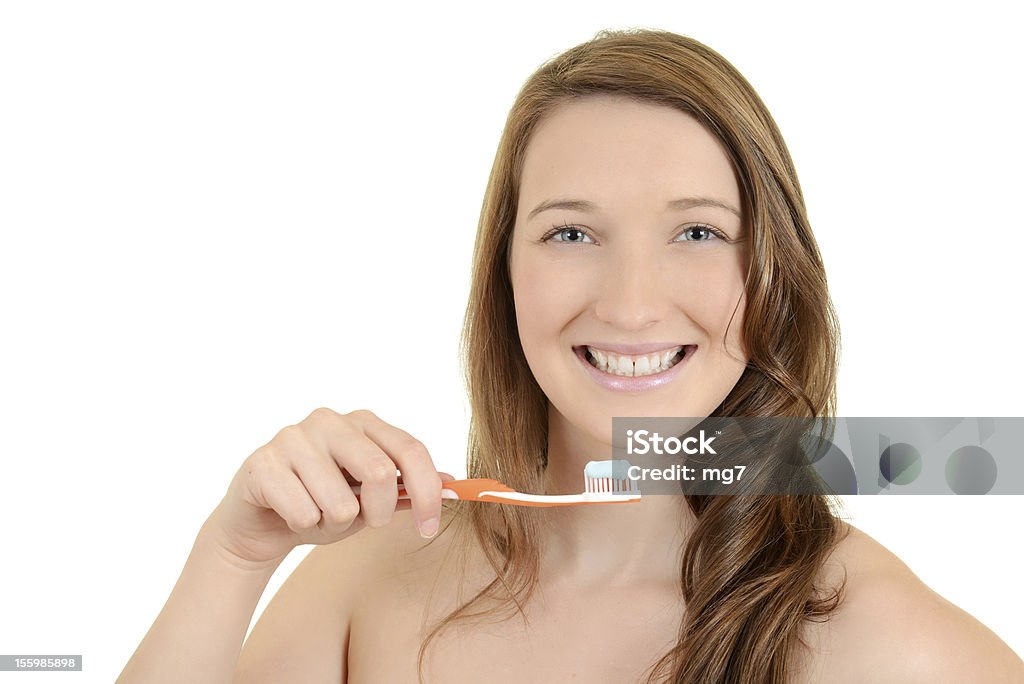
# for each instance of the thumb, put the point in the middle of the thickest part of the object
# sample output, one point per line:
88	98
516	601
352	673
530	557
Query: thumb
445	477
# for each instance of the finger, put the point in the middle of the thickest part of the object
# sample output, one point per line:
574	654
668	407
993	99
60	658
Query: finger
354	452
421	479
287	496
445	477
324	481
340	432
362	458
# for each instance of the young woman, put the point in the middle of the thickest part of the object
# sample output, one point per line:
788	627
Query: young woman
643	250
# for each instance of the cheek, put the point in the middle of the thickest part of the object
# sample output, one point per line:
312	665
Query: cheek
546	289
717	302
545	298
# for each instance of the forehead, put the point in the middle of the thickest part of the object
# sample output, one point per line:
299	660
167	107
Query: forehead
619	149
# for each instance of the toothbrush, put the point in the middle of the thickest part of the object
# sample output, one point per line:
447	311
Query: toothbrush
605	482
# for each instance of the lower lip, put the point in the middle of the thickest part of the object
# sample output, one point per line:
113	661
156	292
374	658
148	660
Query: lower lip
622	383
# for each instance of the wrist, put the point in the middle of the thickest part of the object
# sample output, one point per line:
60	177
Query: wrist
212	541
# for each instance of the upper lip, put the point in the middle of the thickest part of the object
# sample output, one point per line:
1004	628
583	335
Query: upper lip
633	349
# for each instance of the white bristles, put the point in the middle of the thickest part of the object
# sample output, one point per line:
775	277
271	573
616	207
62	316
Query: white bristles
608	477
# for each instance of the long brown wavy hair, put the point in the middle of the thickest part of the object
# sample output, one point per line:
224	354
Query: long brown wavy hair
749	567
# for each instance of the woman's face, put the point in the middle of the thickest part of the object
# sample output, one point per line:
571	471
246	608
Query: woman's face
615	260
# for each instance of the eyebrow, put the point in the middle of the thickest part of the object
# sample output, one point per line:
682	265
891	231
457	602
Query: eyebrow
677	204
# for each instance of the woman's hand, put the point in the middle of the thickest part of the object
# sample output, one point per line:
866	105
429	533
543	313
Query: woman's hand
296	489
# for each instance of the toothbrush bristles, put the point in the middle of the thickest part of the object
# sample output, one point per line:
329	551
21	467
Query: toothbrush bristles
604	485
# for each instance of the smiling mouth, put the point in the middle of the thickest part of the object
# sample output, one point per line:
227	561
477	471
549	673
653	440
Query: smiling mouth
638	365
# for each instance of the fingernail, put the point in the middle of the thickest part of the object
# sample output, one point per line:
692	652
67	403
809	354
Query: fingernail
428	528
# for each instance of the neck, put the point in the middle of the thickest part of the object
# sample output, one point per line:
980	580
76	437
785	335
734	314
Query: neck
606	544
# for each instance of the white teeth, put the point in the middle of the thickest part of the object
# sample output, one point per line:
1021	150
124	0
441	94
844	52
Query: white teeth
643	365
647	364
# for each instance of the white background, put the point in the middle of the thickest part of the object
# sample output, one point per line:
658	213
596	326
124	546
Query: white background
218	216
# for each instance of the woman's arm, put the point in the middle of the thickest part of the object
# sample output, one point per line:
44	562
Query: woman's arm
294	490
198	635
303	632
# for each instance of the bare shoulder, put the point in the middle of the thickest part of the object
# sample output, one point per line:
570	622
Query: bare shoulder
305	629
891	626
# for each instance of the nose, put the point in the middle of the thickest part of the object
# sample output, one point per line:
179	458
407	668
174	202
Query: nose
633	296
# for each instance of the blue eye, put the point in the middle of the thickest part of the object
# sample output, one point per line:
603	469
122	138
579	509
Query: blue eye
572	235
707	231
